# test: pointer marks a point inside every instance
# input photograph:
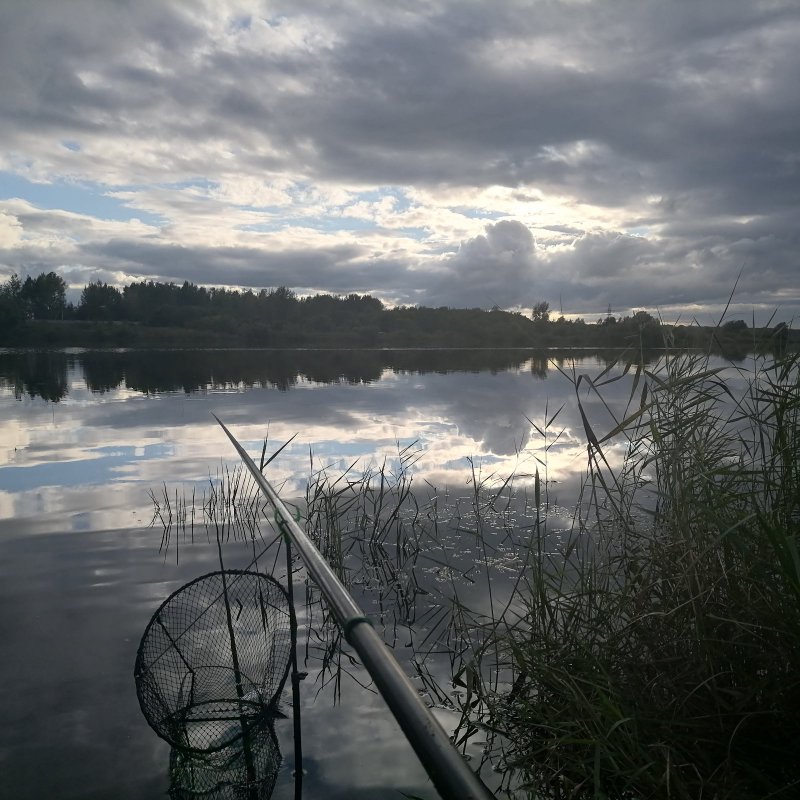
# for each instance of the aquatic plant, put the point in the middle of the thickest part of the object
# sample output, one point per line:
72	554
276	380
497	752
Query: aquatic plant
656	654
650	648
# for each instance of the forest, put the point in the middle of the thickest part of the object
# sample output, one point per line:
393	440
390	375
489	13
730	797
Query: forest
36	313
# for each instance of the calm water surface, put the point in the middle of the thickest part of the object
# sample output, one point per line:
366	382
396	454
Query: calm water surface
84	436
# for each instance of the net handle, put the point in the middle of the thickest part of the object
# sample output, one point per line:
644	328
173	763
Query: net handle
450	773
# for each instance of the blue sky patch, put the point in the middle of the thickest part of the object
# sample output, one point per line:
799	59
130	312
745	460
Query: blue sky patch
79	198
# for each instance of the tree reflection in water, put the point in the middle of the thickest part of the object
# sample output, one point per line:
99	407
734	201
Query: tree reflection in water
45	373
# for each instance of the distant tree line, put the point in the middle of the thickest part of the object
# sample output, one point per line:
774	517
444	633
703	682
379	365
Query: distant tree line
148	313
43	297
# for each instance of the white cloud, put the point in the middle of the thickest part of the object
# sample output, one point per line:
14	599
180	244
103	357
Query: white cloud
10	230
246	127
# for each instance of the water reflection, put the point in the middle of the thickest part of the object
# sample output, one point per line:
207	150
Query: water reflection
125	421
405	557
44	374
80	577
35	373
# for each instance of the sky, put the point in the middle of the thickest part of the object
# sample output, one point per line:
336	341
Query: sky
596	154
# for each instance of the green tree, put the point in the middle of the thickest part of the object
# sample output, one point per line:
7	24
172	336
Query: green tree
12	288
648	329
44	297
279	305
99	301
541	311
12	309
735	326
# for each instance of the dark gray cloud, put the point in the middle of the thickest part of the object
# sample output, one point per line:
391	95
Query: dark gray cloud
496	268
339	268
675	121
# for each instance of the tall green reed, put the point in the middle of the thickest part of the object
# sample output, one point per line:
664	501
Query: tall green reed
657	654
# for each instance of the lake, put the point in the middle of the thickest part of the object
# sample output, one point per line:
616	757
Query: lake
88	435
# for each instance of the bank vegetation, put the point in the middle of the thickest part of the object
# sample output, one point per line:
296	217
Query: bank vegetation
35	313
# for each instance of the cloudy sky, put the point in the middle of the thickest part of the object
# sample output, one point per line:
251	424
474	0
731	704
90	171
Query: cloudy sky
623	153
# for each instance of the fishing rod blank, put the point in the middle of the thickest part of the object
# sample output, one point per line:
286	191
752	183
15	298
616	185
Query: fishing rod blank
450	773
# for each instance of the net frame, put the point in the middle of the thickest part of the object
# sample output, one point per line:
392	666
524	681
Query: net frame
213	658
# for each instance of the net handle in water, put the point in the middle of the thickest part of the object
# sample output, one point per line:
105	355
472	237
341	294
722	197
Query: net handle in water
450	773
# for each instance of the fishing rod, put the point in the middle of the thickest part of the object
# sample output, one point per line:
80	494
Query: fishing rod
450	773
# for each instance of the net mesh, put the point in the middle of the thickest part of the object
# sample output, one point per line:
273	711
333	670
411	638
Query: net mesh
246	769
213	658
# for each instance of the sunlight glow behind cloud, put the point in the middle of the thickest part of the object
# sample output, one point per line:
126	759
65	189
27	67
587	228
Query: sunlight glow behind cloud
650	151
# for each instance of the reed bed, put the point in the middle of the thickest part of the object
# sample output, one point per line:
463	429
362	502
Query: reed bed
657	653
